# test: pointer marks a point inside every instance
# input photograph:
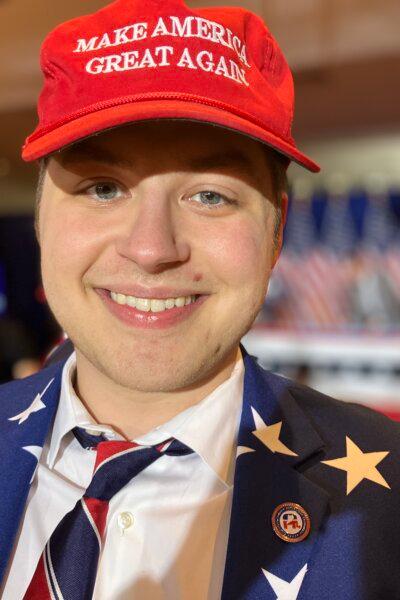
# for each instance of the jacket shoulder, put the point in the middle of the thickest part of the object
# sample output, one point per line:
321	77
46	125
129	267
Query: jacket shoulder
16	392
329	415
336	416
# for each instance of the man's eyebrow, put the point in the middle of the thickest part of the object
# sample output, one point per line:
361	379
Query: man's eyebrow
74	156
233	158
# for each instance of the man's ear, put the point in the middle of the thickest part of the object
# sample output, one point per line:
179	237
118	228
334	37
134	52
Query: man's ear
279	242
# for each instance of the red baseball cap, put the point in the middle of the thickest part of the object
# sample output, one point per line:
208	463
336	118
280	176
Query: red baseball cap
135	61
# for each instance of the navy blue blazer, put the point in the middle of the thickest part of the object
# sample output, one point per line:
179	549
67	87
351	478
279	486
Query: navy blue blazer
339	462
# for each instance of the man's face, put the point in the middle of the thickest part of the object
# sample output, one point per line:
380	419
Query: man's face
157	210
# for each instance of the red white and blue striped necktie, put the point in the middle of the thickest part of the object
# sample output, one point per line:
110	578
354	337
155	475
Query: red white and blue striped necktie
68	566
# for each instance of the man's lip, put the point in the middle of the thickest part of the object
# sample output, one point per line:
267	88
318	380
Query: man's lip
161	293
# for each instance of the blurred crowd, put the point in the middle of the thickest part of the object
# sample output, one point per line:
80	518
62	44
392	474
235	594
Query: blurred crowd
340	267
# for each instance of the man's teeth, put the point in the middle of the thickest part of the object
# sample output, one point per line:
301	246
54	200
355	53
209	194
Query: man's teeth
151	305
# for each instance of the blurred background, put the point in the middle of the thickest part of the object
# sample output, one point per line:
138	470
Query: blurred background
332	315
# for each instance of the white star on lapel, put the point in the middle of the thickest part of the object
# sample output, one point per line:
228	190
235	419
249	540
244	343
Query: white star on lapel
36	452
283	589
36	405
269	435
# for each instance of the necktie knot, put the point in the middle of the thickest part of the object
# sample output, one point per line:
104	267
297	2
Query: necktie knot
118	462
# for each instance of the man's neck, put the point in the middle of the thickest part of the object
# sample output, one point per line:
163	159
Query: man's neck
133	413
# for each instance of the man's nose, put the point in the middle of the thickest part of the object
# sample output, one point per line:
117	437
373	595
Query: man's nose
154	238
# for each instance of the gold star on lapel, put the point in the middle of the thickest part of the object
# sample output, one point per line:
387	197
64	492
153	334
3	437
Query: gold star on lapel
269	435
359	465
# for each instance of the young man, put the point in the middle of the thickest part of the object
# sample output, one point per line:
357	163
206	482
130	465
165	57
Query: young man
159	460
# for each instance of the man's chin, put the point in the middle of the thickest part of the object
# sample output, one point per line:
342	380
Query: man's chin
151	382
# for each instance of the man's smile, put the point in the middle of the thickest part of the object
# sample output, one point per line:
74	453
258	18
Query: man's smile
151	313
152	304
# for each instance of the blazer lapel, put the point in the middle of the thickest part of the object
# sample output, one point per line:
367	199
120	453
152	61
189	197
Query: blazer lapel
276	440
27	409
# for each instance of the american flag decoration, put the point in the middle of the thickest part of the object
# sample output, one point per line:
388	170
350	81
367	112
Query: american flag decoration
340	266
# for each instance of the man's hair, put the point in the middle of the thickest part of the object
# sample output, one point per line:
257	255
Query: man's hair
280	185
42	163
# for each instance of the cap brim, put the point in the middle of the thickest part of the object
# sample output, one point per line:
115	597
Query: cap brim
55	139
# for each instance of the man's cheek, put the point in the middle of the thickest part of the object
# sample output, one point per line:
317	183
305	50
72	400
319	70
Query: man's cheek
66	243
233	243
244	251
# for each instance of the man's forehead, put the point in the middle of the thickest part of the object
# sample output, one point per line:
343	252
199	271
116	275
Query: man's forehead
128	150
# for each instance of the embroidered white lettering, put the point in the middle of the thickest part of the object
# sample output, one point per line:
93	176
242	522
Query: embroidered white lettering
164	50
95	66
208	65
112	63
87	46
105	42
186	60
131	33
128	61
173	26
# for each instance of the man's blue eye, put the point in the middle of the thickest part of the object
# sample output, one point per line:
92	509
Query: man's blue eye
104	190
212	198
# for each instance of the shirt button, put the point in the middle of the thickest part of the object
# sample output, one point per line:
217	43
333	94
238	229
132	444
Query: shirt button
125	520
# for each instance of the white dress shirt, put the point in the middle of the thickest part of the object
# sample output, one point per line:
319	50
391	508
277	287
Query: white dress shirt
167	530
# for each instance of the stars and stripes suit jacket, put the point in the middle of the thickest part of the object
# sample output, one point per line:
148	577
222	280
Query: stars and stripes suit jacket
338	461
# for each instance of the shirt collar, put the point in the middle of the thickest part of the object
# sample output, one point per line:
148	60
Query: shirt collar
209	427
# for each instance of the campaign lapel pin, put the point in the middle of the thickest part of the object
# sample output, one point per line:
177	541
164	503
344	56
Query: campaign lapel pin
291	522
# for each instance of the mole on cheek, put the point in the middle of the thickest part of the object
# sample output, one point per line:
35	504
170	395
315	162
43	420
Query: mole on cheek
198	277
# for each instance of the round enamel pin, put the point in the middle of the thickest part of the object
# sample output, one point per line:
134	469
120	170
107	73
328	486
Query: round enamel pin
291	522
